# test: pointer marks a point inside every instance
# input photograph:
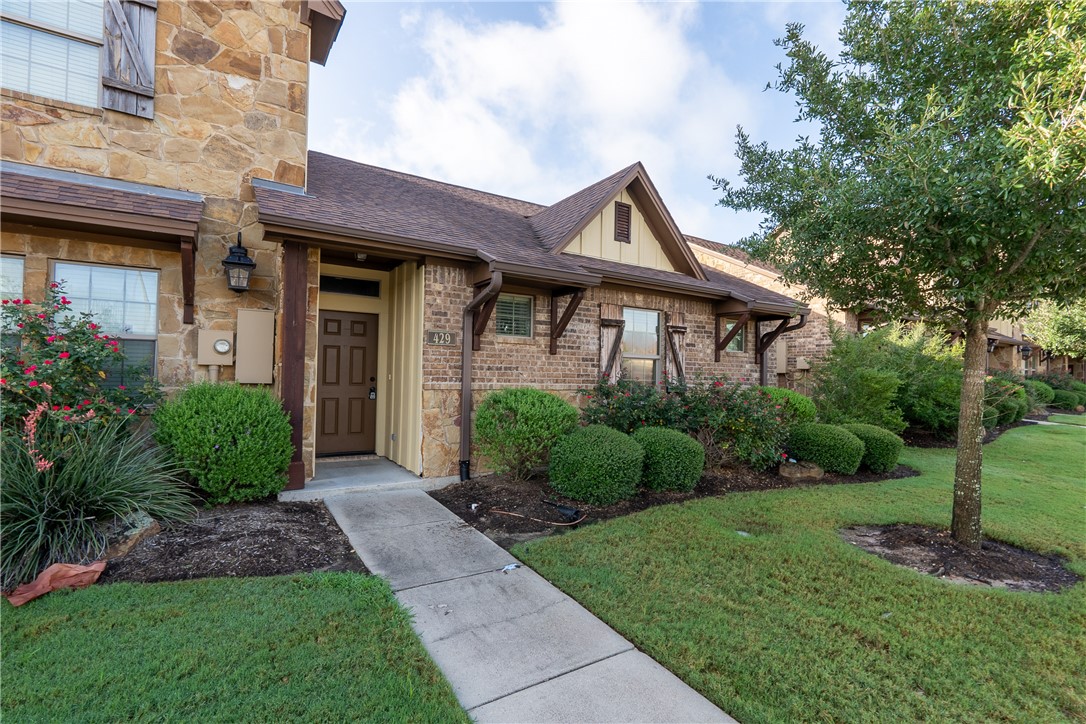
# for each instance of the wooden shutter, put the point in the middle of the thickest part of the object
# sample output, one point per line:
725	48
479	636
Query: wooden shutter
611	326
622	222
676	346
128	70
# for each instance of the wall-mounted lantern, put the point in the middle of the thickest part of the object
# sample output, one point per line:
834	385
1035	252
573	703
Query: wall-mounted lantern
239	267
991	342
1026	351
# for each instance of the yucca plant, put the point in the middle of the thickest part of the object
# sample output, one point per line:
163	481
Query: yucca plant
62	483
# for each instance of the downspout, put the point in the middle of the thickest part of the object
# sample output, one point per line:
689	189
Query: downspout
486	294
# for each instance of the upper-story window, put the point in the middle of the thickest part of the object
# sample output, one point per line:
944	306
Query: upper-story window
51	48
641	345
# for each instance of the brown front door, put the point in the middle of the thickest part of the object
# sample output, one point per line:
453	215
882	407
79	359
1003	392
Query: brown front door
347	387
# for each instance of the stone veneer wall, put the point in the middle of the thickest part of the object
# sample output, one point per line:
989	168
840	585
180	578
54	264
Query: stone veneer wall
231	97
513	362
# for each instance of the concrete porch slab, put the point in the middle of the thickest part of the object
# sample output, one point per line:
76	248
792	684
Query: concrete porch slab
338	477
629	687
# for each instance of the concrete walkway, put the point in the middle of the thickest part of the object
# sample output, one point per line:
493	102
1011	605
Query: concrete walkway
514	647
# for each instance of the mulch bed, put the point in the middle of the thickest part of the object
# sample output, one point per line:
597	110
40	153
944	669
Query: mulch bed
935	553
476	500
924	438
253	539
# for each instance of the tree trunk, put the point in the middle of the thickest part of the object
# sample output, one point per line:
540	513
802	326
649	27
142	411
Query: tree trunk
965	522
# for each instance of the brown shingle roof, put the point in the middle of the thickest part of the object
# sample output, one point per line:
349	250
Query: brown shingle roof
728	250
14	185
362	200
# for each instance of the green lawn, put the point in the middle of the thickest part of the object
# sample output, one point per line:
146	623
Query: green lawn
793	624
1068	419
317	647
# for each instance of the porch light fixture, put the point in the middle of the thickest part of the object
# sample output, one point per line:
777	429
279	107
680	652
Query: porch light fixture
992	344
239	267
1026	351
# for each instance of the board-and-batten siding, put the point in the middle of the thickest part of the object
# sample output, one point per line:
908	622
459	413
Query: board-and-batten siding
598	239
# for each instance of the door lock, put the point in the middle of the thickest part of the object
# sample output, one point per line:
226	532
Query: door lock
373	393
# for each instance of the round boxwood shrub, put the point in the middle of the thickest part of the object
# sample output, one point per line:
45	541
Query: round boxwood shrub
800	406
1064	399
881	447
1039	391
833	448
516	428
233	441
596	464
673	460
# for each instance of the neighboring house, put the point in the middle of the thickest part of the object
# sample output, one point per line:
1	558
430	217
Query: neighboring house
372	289
796	350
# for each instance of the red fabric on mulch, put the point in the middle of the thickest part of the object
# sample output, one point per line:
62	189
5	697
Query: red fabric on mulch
56	576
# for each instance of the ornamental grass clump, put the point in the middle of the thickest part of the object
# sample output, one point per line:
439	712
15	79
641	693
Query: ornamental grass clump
64	481
831	447
516	428
596	464
673	460
882	448
233	441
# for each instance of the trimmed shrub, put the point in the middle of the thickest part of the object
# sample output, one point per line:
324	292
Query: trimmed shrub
1040	392
673	460
1064	400
1076	386
64	482
597	465
234	441
800	407
833	448
516	428
882	448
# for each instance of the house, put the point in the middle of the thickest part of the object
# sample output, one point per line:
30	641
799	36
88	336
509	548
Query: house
381	305
798	349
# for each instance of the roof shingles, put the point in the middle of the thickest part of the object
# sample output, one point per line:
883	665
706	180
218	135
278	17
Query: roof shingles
69	193
361	199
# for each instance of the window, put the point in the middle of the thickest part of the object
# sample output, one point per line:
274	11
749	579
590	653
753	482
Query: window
52	48
11	277
622	222
513	315
124	303
641	345
738	343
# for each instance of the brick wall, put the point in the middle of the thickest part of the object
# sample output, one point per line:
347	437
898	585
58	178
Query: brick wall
522	362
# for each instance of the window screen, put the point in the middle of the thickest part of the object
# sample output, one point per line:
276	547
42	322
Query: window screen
513	314
641	345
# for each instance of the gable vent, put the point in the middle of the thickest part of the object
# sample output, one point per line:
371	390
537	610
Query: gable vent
622	222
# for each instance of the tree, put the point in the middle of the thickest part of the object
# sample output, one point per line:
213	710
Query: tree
1058	328
947	180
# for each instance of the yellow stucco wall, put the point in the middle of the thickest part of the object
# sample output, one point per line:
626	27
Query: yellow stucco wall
598	239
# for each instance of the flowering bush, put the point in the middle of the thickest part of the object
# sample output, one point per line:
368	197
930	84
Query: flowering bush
51	356
732	421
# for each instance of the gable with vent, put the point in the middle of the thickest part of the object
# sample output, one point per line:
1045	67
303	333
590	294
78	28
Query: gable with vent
628	240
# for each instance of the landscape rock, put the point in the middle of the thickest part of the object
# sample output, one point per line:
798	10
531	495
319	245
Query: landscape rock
801	471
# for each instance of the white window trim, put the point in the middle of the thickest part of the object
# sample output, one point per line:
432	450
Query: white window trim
50	29
659	343
531	316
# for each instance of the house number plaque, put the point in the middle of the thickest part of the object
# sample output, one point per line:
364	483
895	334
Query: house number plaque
445	339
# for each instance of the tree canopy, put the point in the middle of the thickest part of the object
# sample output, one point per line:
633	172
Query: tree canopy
1058	328
947	178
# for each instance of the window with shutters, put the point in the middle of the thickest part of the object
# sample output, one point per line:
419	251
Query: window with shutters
738	343
124	302
52	48
641	345
513	315
622	222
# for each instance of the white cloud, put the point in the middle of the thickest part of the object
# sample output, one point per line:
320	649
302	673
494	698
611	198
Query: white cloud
540	110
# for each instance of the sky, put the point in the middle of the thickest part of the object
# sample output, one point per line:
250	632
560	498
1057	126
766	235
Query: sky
539	100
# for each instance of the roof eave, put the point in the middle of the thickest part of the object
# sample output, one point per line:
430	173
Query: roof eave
64	216
279	225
